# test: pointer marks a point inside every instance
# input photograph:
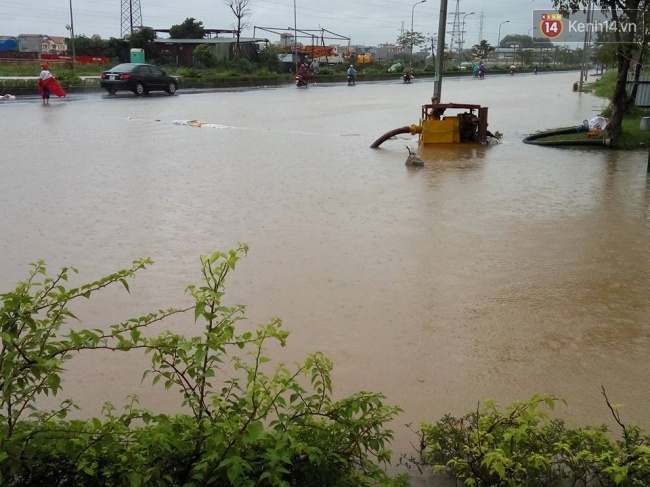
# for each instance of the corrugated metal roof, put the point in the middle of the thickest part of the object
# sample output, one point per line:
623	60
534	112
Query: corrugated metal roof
213	40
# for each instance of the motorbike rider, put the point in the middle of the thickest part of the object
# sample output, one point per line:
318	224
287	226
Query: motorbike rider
303	72
512	69
352	74
406	74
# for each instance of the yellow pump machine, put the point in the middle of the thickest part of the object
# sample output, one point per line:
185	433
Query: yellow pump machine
437	124
440	127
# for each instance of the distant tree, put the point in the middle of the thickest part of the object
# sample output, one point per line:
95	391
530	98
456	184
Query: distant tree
432	41
604	52
409	39
189	29
526	57
449	56
202	57
401	57
88	46
116	48
481	50
270	57
144	39
241	11
622	12
523	41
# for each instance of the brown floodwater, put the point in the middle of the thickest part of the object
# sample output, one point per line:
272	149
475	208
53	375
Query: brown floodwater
495	272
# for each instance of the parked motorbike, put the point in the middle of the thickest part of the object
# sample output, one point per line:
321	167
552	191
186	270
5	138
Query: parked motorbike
301	81
406	77
352	80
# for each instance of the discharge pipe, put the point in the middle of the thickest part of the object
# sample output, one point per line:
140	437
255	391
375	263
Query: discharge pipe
534	139
409	129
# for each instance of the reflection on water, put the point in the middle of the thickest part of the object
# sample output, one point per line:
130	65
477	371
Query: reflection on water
493	272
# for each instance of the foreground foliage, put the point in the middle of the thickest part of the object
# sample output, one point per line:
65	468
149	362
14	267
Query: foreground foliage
249	423
521	446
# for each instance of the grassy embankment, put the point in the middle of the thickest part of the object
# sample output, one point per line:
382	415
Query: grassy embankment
222	76
633	137
72	81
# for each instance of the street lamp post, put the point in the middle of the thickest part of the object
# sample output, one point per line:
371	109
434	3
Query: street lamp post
412	13
499	41
462	42
295	38
74	56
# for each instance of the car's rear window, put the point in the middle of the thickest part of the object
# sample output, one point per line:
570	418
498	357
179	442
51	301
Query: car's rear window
123	68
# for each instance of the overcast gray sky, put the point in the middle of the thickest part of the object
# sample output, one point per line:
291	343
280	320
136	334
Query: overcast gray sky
368	22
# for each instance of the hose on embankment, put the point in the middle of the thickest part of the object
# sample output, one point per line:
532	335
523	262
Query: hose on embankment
533	139
409	129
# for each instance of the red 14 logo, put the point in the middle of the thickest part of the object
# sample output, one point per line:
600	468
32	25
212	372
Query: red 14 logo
551	25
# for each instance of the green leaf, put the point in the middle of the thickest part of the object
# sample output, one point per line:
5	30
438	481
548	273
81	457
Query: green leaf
253	432
135	479
198	310
54	381
125	284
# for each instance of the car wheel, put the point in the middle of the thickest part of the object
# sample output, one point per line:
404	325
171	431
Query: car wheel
111	91
171	88
139	89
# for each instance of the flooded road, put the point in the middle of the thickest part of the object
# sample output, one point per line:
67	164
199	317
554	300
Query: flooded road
494	272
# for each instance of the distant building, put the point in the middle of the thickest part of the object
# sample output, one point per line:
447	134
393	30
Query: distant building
8	43
42	44
180	51
386	52
54	45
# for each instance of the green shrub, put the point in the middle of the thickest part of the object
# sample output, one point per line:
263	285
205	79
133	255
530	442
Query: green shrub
189	73
202	57
521	446
261	425
69	78
326	70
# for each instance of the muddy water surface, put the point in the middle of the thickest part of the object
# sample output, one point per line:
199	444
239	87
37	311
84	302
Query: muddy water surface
494	272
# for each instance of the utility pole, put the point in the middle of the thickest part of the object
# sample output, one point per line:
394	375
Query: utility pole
295	38
586	46
74	55
440	54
